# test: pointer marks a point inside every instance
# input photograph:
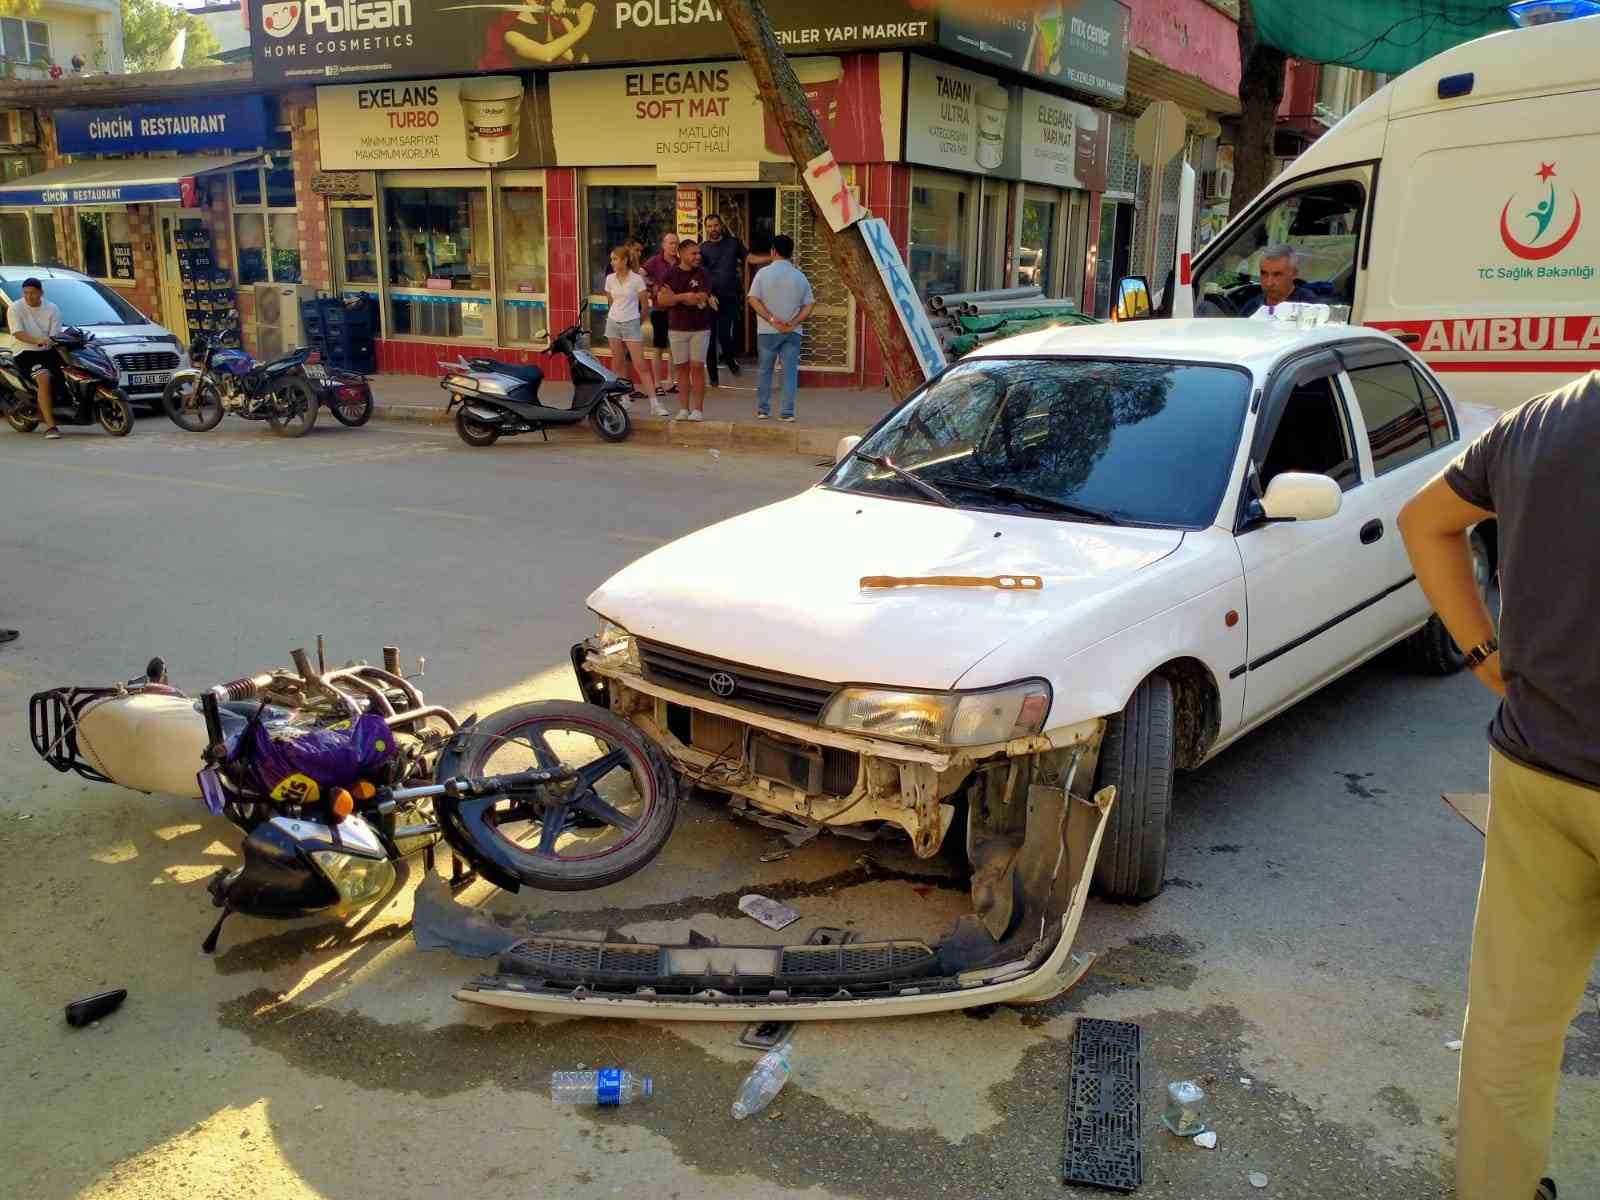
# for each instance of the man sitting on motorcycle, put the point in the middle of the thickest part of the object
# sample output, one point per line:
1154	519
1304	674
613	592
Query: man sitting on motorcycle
34	321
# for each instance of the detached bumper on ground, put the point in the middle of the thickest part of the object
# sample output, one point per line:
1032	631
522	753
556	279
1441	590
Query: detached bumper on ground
1033	833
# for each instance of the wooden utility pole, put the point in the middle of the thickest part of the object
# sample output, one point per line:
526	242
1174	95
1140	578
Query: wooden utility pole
786	100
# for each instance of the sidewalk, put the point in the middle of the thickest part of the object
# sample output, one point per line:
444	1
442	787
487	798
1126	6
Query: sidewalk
823	415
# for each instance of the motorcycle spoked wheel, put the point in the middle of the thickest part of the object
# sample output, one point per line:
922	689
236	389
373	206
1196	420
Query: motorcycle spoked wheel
598	829
194	405
294	408
352	413
114	411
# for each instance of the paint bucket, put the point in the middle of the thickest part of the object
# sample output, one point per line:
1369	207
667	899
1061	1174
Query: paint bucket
492	111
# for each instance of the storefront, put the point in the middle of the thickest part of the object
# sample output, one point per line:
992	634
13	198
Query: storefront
176	233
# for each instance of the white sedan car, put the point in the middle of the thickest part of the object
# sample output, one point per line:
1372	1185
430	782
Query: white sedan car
1077	560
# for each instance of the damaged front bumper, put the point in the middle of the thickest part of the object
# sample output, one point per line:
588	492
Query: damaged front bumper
1033	837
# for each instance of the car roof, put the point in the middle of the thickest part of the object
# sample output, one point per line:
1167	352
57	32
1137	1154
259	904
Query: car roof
1235	341
12	272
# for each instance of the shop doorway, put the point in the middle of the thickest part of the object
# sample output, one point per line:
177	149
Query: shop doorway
178	227
993	217
1113	251
751	215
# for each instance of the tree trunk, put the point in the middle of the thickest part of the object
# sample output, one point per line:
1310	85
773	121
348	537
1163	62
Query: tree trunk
1260	94
785	98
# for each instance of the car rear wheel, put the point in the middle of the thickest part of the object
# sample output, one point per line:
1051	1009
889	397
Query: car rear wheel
1431	650
1136	758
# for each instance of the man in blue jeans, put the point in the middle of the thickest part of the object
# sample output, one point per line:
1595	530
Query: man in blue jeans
781	297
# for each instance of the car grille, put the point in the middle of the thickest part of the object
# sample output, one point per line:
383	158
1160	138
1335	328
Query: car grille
763	691
153	361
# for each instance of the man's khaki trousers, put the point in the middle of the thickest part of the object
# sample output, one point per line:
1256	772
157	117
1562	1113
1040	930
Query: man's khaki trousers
1533	944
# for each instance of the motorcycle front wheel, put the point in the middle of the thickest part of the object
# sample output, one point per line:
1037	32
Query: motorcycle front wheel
610	420
474	434
294	408
593	830
194	405
114	412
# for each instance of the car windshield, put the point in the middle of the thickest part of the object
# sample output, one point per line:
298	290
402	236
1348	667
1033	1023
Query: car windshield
1123	442
82	302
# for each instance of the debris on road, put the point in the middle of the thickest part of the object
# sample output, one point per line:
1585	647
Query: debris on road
1185	1111
1453	1044
766	1035
769	912
1257	1179
91	1008
1206	1140
602	1089
765	1081
1104	1112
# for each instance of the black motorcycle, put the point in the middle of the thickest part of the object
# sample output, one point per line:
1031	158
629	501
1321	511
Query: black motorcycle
91	393
285	392
335	776
499	398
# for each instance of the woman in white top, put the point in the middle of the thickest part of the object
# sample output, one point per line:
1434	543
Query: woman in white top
630	300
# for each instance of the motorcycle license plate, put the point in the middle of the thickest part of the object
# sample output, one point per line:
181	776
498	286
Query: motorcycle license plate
149	378
211	790
315	372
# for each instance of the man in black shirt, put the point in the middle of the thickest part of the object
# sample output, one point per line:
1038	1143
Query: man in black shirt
723	256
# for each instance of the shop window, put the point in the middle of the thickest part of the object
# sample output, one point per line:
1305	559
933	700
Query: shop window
438	249
524	315
358	245
24	41
1036	254
15	246
938	234
615	215
44	240
266	225
107	243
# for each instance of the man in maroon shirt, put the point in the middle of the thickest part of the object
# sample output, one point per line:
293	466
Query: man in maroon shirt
691	309
656	268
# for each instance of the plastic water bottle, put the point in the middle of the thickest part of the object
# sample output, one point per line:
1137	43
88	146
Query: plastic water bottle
604	1089
765	1081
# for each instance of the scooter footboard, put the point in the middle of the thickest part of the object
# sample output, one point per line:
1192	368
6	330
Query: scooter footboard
53	728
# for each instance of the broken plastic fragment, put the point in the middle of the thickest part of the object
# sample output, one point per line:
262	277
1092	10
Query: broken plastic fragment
769	912
1257	1179
1207	1140
1453	1044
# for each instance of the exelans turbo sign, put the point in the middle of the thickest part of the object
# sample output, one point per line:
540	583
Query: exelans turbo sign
216	123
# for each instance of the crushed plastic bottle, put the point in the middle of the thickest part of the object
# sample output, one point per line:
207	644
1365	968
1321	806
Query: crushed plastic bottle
765	1081
604	1089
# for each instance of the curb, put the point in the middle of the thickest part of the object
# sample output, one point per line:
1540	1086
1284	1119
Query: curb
816	441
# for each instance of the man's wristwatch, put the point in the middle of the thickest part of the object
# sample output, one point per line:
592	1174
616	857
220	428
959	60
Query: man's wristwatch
1480	653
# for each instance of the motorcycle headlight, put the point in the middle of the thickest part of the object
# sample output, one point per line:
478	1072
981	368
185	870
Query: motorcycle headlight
942	718
359	880
615	645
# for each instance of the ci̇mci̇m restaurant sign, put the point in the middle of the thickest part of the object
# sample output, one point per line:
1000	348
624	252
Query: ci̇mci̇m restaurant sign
202	123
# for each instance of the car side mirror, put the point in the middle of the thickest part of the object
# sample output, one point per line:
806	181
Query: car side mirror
846	444
1301	496
1133	299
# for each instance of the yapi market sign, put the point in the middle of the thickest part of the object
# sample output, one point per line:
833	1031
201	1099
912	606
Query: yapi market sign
214	123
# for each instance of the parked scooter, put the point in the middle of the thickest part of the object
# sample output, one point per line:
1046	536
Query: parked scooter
91	393
336	775
285	392
499	398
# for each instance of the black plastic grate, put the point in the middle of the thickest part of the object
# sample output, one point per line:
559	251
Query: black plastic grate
860	959
149	361
746	687
538	956
1103	1144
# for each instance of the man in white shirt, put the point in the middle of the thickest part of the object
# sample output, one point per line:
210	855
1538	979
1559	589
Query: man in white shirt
33	321
782	298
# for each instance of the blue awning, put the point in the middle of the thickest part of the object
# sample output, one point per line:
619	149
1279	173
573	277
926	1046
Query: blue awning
115	181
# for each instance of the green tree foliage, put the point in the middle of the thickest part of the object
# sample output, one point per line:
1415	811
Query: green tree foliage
148	30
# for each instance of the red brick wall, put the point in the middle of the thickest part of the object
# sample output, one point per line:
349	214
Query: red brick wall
145	294
300	111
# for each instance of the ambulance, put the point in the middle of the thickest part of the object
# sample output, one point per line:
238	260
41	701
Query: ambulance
1457	209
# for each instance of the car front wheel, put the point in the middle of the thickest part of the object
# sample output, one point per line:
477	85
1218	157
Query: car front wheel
1136	758
1431	650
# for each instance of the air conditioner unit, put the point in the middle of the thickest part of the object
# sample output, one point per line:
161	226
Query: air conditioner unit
1216	185
18	128
277	323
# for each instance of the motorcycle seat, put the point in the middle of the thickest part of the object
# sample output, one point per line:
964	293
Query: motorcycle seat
528	374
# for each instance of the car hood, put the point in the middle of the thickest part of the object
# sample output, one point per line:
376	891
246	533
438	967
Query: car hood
111	335
780	587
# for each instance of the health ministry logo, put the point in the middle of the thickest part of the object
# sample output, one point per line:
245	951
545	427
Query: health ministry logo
1543	216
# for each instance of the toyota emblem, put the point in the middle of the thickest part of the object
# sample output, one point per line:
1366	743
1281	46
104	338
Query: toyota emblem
722	684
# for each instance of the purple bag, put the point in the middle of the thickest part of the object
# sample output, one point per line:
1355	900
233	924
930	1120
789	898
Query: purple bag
296	764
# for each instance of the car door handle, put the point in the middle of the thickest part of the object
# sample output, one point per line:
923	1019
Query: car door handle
1371	532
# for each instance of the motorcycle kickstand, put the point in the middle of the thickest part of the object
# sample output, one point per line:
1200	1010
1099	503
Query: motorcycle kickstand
544	433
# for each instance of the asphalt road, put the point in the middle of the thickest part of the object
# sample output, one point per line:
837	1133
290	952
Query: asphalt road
1307	959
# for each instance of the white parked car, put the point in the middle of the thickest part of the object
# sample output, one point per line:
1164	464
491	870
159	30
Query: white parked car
1112	551
146	354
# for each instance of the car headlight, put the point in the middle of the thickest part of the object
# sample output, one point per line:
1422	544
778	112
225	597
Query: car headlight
942	718
615	645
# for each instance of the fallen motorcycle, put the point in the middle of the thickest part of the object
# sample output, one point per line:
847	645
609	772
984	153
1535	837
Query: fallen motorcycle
334	776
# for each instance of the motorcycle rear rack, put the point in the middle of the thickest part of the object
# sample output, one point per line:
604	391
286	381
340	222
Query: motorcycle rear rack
53	727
